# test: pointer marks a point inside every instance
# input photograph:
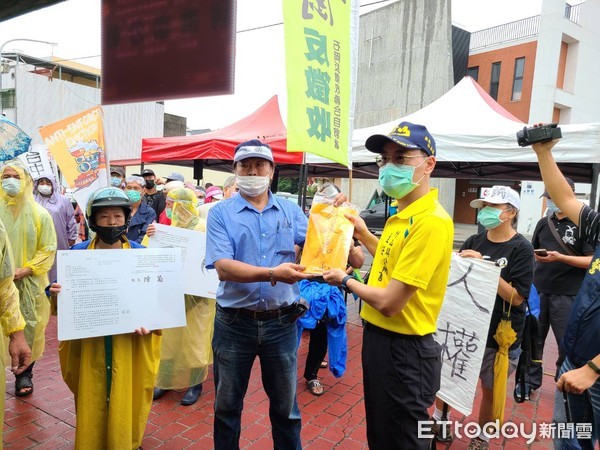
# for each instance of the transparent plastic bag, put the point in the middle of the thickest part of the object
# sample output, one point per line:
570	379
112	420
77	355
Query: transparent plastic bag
329	234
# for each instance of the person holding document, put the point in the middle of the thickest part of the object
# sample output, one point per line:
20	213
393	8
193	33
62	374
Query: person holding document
111	377
401	360
186	351
251	241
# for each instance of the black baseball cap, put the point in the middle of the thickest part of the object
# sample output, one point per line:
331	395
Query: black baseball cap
571	183
147	172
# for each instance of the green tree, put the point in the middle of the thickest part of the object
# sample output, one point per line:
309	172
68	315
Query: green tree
290	185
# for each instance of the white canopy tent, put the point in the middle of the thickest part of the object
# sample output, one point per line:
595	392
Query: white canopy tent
476	137
469	126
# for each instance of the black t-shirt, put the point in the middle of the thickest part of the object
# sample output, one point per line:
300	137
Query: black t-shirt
556	277
515	256
156	201
589	222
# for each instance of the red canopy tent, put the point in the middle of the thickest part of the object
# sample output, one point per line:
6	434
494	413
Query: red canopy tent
218	146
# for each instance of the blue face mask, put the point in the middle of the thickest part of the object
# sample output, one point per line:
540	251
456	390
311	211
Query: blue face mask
115	182
396	180
489	217
552	207
169	213
134	196
11	186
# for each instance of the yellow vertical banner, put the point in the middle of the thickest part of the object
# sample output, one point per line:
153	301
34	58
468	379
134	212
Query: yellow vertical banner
321	46
77	145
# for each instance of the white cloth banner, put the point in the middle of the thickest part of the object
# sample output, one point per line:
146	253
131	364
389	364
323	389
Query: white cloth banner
462	328
106	292
197	279
37	162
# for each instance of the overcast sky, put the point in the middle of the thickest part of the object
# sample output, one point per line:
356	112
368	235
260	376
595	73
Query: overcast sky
75	26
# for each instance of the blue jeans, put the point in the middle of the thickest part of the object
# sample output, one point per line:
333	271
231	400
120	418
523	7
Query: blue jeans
237	341
585	408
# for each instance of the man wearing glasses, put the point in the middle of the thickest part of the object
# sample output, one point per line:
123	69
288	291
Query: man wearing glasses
404	295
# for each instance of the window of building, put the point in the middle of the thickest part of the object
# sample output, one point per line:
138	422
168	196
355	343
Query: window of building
7	97
518	79
495	80
473	72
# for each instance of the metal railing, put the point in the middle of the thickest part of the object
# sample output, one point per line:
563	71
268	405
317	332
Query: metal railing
519	29
512	31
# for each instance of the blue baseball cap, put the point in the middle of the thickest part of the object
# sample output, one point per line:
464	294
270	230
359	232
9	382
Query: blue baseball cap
175	176
407	135
253	149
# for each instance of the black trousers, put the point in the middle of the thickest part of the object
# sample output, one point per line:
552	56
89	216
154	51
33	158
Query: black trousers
401	377
555	310
317	348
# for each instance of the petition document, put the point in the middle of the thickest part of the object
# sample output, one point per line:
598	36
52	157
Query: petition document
106	292
197	279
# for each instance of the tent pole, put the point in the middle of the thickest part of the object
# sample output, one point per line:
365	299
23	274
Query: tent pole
304	182
594	191
350	185
300	185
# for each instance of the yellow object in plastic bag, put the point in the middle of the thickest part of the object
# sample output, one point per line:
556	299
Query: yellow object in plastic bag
328	238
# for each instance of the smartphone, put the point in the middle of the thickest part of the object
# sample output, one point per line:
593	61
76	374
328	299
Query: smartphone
540	252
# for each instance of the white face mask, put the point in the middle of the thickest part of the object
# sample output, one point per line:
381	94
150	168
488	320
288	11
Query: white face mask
253	186
45	189
11	186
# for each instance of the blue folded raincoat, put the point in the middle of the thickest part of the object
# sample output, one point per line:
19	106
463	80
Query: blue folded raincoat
326	302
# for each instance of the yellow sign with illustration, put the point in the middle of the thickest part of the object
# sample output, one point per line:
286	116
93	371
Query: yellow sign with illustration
77	145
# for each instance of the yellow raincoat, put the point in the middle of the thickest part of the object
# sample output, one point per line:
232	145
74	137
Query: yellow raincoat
119	421
33	241
11	319
186	351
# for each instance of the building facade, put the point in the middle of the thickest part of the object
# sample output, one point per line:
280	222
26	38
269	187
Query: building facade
541	69
404	63
37	92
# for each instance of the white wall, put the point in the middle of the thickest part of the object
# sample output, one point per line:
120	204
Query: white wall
581	96
587	76
533	207
404	63
41	101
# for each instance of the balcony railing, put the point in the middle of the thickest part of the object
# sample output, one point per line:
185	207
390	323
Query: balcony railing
512	31
519	29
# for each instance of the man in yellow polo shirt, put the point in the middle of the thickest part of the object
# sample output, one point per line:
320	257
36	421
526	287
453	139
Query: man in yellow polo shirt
404	295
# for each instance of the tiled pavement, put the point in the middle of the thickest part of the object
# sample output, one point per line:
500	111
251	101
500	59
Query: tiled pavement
46	419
